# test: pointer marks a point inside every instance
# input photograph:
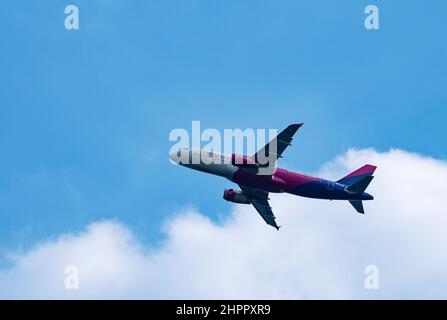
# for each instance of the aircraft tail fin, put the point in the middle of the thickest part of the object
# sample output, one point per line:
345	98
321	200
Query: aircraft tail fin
357	182
361	185
358	175
358	205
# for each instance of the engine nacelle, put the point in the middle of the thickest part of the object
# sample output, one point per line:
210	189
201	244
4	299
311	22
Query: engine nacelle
236	196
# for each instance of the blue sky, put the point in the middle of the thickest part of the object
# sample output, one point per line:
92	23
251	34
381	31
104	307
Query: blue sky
85	115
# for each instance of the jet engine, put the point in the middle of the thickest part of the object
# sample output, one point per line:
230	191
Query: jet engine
236	196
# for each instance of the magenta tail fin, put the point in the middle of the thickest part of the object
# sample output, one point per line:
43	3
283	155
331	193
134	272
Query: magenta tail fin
357	175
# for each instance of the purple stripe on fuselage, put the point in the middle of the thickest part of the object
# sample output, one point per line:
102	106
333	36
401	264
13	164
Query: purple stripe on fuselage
281	181
267	183
298	184
293	179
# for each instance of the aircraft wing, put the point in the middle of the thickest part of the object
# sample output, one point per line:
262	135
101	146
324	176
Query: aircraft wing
264	209
259	199
273	150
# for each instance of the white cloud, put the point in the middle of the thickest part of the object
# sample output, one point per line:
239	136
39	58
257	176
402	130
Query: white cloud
321	251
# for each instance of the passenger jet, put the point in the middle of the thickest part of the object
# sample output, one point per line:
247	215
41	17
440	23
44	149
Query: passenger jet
257	178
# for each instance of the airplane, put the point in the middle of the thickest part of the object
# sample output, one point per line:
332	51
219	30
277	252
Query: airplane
256	181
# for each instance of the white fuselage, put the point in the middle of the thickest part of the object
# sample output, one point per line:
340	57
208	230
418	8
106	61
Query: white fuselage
206	161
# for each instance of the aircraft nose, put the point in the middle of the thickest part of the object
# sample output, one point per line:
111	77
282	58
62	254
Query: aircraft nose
175	156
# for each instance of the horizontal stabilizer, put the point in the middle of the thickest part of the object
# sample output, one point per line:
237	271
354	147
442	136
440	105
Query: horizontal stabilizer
358	206
360	186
